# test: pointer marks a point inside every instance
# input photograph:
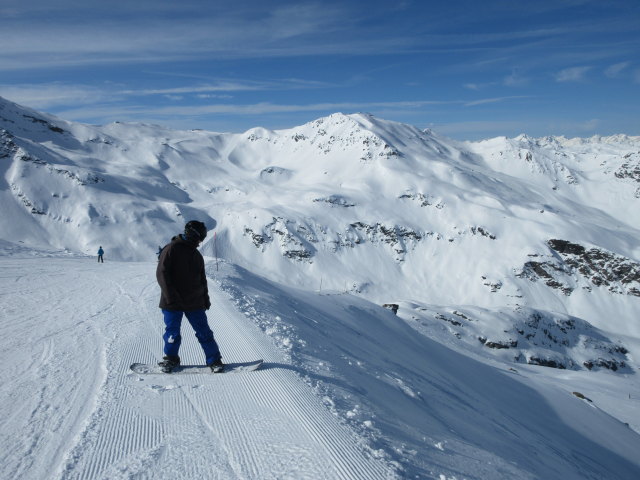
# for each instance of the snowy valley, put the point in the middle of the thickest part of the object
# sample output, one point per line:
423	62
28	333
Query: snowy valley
426	308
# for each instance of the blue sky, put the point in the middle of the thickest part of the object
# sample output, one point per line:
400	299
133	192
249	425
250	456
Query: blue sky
467	69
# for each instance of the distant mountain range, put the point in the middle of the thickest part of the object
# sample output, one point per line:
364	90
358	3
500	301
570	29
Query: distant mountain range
525	249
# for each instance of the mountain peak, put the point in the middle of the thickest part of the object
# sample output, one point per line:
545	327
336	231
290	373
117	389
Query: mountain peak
503	256
321	197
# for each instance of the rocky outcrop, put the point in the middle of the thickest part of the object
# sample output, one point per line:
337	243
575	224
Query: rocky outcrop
24	199
392	306
399	238
49	125
295	240
539	338
7	145
630	170
599	267
423	199
482	232
335	200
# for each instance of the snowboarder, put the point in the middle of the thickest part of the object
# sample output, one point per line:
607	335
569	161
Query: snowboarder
183	284
100	254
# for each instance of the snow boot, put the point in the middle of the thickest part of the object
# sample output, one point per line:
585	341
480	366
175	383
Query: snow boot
169	363
217	366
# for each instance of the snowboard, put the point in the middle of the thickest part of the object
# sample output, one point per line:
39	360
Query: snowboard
148	369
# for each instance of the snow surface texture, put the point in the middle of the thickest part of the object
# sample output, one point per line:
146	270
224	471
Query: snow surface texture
502	258
347	390
77	412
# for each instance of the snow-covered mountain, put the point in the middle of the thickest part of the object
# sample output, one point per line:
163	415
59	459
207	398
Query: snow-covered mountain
514	252
531	234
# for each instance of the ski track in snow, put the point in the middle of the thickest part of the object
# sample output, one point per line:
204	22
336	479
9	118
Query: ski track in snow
85	416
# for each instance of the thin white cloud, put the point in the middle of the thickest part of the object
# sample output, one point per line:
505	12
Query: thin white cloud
269	108
65	33
615	70
573	74
83	38
55	94
573	128
479	86
484	101
137	113
230	86
589	125
480	129
206	96
198	89
515	79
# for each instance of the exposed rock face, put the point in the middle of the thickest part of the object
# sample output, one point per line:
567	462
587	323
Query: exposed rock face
424	200
336	200
630	170
618	274
40	121
7	144
373	207
538	338
392	306
295	241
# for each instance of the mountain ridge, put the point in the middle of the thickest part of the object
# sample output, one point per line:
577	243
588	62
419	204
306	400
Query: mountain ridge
353	203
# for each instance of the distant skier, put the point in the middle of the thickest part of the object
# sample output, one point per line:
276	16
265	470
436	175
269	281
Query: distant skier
183	284
100	254
159	251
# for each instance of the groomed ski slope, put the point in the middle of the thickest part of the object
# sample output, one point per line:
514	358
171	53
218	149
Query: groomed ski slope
72	327
348	390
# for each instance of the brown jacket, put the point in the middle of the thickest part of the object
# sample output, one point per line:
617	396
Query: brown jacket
181	277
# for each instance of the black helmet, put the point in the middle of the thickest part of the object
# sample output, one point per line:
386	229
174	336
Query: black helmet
195	228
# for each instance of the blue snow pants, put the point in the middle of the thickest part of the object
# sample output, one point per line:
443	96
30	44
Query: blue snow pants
198	320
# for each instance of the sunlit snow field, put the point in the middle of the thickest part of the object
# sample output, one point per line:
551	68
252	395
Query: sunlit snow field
514	265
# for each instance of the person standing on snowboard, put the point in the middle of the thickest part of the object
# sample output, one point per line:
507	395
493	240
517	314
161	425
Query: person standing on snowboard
100	254
183	284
